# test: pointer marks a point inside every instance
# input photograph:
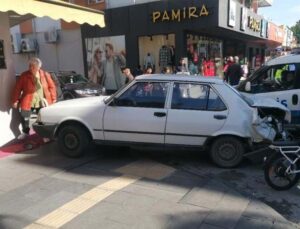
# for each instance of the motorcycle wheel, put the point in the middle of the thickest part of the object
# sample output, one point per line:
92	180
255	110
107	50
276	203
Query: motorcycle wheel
275	174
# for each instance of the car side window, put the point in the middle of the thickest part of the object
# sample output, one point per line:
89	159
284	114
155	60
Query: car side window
277	78
188	96
215	103
144	94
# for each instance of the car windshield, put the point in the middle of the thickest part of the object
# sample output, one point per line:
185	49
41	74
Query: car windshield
244	98
74	78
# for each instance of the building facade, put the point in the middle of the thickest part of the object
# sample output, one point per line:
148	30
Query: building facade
170	30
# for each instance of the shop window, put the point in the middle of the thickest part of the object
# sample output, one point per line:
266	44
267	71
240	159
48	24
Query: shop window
204	55
157	52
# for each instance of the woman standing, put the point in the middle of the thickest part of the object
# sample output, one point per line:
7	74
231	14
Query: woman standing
34	89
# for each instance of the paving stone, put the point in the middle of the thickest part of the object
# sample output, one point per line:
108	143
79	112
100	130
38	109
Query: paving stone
159	194
259	210
228	210
212	191
147	169
248	223
208	226
48	205
8	184
13	221
87	176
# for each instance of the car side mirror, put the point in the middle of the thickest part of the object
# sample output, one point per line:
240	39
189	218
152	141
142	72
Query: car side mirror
248	86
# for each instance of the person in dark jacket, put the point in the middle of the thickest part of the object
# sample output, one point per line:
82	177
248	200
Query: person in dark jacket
234	72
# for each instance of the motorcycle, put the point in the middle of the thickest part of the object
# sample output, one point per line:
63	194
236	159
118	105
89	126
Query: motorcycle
282	168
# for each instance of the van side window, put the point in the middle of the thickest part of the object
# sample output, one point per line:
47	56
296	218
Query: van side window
277	78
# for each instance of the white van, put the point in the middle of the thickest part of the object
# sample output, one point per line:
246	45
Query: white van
279	79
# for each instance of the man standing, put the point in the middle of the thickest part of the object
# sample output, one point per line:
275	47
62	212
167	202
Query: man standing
34	89
112	74
234	72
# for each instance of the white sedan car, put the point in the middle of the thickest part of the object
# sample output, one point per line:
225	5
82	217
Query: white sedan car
165	110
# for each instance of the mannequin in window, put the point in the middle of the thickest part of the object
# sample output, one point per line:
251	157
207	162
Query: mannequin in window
149	61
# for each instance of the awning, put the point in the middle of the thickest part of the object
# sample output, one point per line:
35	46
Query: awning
55	9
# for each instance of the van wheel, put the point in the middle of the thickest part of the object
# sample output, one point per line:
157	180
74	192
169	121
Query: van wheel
73	140
227	152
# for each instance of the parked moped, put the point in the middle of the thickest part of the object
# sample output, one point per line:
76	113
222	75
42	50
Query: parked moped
282	168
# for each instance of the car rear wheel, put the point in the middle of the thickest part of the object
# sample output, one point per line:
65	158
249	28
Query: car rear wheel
73	140
227	152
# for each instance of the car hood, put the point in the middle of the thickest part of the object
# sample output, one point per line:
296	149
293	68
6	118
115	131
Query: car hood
271	106
80	102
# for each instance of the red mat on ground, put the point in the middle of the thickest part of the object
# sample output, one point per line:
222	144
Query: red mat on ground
31	142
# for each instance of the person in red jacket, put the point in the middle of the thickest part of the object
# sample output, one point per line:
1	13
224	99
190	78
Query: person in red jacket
34	89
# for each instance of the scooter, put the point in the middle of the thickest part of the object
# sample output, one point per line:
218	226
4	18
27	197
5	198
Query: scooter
282	168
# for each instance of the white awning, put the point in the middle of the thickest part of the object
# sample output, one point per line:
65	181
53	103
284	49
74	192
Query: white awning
55	9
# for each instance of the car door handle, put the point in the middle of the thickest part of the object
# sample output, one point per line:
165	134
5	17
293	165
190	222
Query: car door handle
220	117
160	114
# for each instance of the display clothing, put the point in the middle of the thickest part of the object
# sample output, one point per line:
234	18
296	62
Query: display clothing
208	68
149	61
164	56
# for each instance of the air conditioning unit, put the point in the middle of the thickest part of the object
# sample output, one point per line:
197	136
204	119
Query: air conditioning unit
16	42
51	36
28	45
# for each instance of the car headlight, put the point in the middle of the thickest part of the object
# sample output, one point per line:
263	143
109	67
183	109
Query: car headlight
87	92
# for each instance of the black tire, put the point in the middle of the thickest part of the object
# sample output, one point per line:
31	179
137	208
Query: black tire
276	166
73	140
68	96
227	152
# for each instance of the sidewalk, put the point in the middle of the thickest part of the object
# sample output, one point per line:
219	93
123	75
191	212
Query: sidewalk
179	200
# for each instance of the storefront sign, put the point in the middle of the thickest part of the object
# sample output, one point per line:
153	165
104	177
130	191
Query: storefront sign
231	13
264	26
2	57
254	24
243	23
186	13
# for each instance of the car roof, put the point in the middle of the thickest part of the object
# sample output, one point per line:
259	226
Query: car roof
292	58
178	77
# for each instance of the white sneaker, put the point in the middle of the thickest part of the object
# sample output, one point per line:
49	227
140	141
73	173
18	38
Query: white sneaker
22	136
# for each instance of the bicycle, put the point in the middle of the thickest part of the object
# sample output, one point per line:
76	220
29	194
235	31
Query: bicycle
282	168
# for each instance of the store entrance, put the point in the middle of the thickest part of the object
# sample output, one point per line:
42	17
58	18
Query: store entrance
157	52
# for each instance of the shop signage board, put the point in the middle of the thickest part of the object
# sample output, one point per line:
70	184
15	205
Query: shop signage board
2	57
254	24
243	23
231	13
185	13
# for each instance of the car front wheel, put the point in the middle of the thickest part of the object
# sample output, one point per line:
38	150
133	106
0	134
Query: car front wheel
227	152
73	140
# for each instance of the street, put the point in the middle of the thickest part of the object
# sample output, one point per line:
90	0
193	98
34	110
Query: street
120	188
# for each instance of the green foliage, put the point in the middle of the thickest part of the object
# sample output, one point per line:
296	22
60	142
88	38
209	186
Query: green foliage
296	30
